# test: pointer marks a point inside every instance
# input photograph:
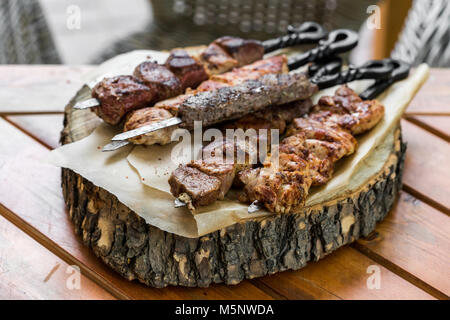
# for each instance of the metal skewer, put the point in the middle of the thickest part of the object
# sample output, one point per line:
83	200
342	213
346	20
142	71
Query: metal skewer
306	33
398	70
338	41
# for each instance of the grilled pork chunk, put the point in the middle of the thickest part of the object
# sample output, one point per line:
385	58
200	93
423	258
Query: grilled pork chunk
307	156
119	95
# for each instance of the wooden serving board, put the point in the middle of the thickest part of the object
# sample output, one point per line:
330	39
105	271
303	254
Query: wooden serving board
246	250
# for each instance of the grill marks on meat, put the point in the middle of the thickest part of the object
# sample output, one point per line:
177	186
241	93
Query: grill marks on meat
119	95
276	64
217	162
284	186
326	143
349	111
154	82
188	70
307	156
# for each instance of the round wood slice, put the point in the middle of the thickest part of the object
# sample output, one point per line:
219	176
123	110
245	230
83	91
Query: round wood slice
254	248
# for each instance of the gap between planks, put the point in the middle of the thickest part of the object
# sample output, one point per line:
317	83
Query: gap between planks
428	128
56	249
399	271
60	252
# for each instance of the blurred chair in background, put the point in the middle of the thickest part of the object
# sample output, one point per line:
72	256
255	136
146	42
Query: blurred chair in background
179	23
24	35
426	34
26	38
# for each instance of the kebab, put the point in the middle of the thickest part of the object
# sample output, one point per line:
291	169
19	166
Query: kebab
113	97
217	105
306	156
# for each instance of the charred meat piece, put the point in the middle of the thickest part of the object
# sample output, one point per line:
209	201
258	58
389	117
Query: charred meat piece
165	82
198	186
349	111
119	95
281	187
216	60
320	139
188	71
242	50
216	169
270	65
274	117
327	143
234	102
275	65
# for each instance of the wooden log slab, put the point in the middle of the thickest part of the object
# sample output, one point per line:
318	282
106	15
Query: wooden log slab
250	249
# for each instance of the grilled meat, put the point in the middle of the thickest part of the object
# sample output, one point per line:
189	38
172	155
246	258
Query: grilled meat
349	111
120	94
215	163
154	82
308	154
156	76
276	64
284	186
216	60
145	115
242	50
188	70
230	103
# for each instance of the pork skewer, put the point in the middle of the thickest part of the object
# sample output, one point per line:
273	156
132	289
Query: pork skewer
151	82
306	156
338	41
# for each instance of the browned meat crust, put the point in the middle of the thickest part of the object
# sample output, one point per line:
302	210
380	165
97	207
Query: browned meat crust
119	95
189	71
307	156
242	50
165	83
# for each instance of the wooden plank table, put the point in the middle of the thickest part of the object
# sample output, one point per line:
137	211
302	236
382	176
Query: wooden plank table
410	249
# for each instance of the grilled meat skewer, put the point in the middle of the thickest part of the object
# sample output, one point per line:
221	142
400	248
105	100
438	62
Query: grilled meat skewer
165	110
202	182
112	99
307	156
337	41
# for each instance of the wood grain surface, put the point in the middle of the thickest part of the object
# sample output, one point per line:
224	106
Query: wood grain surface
410	246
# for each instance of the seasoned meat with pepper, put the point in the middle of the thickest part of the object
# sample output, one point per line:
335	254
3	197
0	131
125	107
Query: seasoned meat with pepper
274	65
119	95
